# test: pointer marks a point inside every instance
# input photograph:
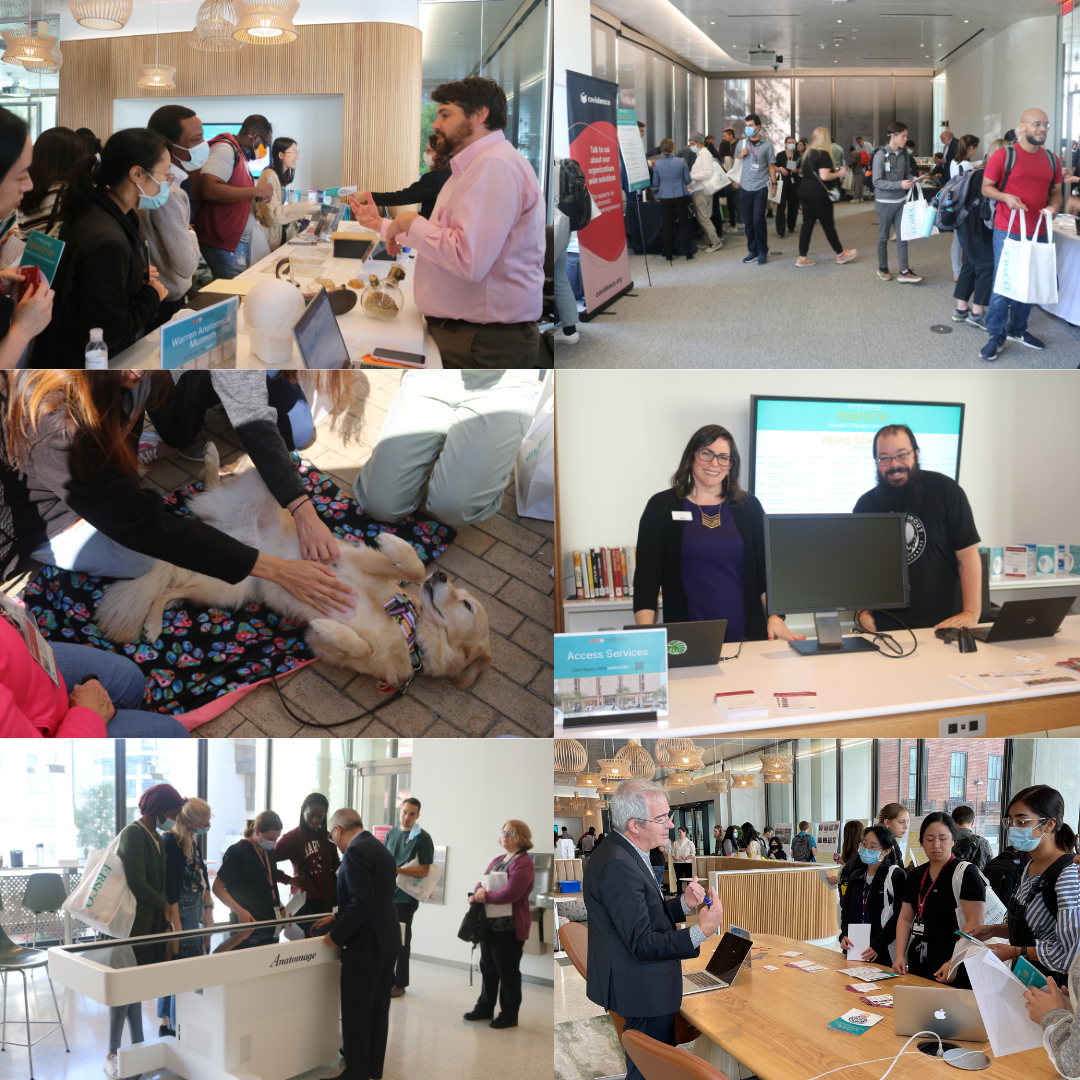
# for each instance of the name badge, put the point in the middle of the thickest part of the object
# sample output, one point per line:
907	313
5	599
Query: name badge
681	515
918	929
887	166
754	167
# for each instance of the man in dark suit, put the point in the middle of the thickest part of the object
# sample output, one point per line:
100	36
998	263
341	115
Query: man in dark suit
951	145
366	931
635	946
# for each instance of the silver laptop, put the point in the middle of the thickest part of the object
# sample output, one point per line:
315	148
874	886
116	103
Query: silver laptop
951	1014
722	968
318	336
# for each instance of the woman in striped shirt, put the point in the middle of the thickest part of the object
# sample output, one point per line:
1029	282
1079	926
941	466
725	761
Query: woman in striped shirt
1044	911
55	152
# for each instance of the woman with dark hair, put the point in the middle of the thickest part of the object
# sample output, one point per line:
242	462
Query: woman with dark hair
896	818
847	857
20	322
873	895
71	492
425	191
703	543
1044	912
247	881
731	840
93	143
936	906
314	858
100	281
275	215
55	154
750	842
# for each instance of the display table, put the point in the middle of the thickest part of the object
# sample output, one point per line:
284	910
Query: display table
255	1007
1067	245
744	1021
914	693
406	333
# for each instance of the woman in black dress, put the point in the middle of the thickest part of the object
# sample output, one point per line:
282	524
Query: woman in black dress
929	919
874	893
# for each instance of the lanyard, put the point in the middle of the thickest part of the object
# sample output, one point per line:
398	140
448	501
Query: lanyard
752	148
269	873
924	897
867	883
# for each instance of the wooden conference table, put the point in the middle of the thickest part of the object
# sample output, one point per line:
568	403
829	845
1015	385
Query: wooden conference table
774	1023
859	689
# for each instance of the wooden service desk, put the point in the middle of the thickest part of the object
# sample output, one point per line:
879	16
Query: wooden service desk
774	1024
864	694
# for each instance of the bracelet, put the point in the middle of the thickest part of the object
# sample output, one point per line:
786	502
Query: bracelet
306	499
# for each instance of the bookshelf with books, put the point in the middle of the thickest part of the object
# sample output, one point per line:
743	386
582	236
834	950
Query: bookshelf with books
603	574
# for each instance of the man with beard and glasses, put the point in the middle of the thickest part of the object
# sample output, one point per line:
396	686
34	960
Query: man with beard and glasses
944	568
480	257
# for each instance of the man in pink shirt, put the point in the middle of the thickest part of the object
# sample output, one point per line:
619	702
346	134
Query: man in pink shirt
480	258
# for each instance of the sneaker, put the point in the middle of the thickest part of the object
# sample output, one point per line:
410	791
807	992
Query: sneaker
848	255
151	447
991	349
397	991
715	247
749	258
803	261
978	321
884	275
909	276
763	260
1026	339
568	339
194	450
960	316
111	1069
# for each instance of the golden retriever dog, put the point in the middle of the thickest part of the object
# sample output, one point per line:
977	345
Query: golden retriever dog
451	625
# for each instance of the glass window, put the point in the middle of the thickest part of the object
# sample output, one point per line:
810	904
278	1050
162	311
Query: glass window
813	106
603	50
729	102
299	767
895	766
815	764
747	804
235	790
772	102
660	110
778	797
697	105
1056	764
993	778
958	777
955	773
159	761
633	86
864	106
913	790
681	123
915	107
856	796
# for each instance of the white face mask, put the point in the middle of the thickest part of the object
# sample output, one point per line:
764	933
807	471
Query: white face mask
429	159
199	154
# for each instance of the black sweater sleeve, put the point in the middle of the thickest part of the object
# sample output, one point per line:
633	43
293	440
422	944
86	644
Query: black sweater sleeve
427	187
103	297
651	555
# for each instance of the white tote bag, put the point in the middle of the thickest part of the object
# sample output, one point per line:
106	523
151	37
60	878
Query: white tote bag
1027	271
779	191
734	174
535	472
493	882
911	221
717	179
420	888
102	898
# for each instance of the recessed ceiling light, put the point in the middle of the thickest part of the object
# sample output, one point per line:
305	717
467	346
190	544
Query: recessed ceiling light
967	20
839	21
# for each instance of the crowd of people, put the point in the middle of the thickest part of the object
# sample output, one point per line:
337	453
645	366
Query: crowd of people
757	180
151	213
349	877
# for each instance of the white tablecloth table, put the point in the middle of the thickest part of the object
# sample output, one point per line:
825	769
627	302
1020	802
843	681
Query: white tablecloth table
1067	243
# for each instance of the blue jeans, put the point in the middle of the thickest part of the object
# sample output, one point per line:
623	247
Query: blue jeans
227	264
1005	316
293	411
88	551
124	683
190	905
565	305
754	204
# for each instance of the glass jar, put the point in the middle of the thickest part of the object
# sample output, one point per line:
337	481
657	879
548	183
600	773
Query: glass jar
383	299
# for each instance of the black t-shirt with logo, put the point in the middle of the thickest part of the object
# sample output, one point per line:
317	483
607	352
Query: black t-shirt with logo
942	526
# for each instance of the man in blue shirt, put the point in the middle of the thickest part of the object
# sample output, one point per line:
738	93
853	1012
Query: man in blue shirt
408	843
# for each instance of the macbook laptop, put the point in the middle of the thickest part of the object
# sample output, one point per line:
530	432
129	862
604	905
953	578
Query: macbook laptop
722	968
951	1014
318	336
1019	619
691	644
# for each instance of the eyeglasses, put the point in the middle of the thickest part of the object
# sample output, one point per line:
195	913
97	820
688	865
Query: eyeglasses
662	820
507	832
1039	124
903	457
1023	822
707	457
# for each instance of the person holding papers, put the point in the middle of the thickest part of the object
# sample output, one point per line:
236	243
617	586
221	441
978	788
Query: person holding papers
702	541
872	898
1049	1007
926	929
1044	912
635	946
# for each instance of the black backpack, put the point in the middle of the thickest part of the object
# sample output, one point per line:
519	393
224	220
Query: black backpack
802	848
967	849
1003	872
574	199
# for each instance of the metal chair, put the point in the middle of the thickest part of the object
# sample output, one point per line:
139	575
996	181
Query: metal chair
15	958
45	894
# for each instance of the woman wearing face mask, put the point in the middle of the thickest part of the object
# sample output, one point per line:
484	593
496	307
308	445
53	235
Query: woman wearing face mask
873	895
1044	912
896	818
187	889
143	857
425	191
787	165
100	282
926	929
278	218
246	882
314	858
21	322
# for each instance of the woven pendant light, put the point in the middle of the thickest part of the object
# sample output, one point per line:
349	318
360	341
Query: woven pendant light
636	761
156	76
743	780
587	780
570	756
202	45
718	783
215	21
101	14
678	753
265	22
776	768
681	780
33	50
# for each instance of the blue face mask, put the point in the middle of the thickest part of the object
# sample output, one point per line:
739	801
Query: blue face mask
202	832
749	131
164	826
154	202
1022	840
869	857
267	844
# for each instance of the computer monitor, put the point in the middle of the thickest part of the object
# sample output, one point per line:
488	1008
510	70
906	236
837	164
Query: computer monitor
318	336
828	563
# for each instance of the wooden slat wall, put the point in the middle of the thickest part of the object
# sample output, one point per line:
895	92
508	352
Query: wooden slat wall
795	904
705	864
376	67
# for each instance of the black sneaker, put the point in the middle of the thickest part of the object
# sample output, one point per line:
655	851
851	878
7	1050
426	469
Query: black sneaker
749	258
960	316
503	1022
909	276
1027	339
475	1015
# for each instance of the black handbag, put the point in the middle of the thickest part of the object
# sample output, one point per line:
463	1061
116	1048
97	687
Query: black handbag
472	930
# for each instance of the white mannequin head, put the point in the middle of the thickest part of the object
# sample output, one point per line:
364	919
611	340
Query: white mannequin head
271	309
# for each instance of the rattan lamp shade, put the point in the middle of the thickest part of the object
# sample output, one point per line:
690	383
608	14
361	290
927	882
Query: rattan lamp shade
265	22
743	780
101	14
636	761
33	51
202	45
678	754
215	21
156	77
570	756
587	779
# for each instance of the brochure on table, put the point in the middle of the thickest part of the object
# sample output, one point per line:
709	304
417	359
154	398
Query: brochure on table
610	673
203	339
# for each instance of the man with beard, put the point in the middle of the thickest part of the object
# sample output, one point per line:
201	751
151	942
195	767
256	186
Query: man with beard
944	568
480	258
1025	177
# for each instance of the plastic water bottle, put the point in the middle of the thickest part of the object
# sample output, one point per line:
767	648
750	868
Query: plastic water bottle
97	352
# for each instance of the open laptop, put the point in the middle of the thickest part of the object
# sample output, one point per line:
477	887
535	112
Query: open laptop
951	1014
318	336
691	644
722	968
1019	619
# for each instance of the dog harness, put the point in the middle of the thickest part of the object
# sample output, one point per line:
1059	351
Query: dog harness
401	608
